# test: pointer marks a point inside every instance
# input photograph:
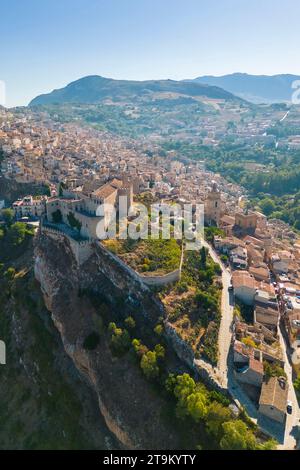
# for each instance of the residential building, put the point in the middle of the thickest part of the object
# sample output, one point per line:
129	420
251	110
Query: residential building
273	399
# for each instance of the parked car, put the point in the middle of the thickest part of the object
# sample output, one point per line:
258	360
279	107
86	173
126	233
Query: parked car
289	407
230	287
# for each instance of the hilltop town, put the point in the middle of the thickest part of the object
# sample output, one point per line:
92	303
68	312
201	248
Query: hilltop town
257	284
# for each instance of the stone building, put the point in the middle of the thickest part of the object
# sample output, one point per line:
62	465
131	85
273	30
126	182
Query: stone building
90	207
213	206
273	399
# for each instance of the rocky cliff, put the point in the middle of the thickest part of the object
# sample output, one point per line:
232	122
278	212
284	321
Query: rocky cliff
132	408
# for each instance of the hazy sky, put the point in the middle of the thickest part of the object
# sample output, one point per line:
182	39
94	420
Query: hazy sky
45	44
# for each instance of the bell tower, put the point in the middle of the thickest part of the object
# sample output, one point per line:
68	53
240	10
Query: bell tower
213	206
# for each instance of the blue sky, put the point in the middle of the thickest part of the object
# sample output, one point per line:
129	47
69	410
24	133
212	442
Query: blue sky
45	44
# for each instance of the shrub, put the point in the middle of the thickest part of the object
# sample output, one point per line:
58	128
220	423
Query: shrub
74	223
120	341
8	216
273	370
17	233
111	327
130	322
159	351
249	342
182	287
158	329
217	415
216	396
139	348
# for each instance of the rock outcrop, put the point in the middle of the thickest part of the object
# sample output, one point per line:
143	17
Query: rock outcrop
131	407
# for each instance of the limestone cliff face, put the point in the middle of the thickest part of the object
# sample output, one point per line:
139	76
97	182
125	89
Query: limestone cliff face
131	408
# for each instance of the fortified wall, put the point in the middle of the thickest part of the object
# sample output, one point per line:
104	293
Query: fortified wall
99	270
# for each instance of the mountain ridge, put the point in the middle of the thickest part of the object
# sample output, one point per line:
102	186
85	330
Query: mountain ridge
94	89
254	88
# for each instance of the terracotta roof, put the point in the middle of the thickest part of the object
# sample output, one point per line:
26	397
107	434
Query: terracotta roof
243	278
254	252
233	241
267	310
253	240
241	348
274	392
105	191
227	219
256	365
260	271
115	183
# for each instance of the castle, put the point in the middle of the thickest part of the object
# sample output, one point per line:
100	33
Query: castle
79	207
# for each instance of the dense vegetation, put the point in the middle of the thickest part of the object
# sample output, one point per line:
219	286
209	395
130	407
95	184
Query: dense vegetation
202	416
148	256
271	176
14	237
196	403
193	303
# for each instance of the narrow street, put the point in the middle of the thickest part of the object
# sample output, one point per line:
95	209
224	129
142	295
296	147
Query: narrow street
225	333
292	421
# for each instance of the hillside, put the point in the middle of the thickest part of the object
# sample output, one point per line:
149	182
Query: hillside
254	88
95	89
134	109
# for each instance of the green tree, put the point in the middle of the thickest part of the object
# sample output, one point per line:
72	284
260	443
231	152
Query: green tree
196	405
267	205
8	216
17	233
185	386
237	436
74	223
203	255
149	365
57	217
217	414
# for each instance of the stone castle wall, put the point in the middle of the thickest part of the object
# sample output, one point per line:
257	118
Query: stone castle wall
82	249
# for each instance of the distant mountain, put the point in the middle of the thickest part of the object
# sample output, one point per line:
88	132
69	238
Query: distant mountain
254	88
95	89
